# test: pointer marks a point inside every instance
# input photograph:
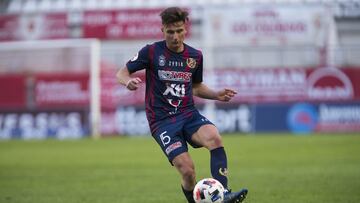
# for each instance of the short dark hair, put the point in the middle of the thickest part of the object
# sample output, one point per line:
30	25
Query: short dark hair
173	14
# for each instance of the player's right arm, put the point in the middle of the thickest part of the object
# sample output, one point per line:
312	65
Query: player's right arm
138	62
124	78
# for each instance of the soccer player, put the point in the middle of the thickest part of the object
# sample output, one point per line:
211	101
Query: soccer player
174	73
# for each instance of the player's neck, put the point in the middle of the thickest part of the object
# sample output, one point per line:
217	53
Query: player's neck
177	49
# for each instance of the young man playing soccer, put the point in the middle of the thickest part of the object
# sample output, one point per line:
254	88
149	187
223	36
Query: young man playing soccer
174	72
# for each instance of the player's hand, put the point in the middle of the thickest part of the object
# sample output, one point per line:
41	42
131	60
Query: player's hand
133	83
226	95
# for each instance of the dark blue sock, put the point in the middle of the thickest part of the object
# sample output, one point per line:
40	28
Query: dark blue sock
218	163
188	195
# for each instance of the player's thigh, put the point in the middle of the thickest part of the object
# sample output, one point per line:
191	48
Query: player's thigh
207	136
171	141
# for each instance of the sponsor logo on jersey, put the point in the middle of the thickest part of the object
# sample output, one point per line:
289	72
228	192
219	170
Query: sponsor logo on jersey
162	60
174	75
172	147
191	62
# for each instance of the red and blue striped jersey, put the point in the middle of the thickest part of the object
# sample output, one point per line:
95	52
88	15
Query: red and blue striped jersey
169	79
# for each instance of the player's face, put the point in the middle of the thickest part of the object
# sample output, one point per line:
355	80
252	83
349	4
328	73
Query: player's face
174	35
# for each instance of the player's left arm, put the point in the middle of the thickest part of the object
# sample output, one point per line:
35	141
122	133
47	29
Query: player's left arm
203	91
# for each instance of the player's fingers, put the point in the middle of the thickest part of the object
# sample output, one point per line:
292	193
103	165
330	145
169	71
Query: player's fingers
227	98
230	94
230	91
137	80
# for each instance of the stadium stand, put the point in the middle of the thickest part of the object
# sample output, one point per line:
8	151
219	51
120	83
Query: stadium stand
342	8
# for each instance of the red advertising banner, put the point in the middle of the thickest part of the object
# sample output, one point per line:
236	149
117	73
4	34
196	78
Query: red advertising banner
62	90
332	84
113	94
290	84
123	24
263	85
12	91
34	26
257	85
8	26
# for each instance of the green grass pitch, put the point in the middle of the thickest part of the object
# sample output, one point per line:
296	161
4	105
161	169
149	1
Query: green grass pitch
275	169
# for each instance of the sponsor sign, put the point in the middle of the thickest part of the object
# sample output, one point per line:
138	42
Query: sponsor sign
267	25
64	90
9	24
339	118
263	85
329	84
304	118
123	24
256	85
34	26
12	91
289	84
131	120
44	124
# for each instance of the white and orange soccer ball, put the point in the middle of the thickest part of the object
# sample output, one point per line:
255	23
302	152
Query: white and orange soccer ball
208	190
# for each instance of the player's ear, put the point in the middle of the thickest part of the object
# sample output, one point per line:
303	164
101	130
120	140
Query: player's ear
162	29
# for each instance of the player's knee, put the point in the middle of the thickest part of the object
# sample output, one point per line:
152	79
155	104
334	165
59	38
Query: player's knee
214	142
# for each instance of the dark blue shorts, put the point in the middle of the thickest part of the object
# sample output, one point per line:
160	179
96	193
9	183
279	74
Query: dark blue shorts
174	133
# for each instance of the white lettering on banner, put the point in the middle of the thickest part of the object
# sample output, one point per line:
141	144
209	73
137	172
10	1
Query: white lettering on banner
232	120
248	25
138	16
339	114
41	125
270	28
8	124
98	18
143	30
114	31
274	84
60	91
129	121
266	78
261	78
329	83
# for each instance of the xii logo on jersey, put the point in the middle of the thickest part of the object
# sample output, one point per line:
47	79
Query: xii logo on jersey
191	62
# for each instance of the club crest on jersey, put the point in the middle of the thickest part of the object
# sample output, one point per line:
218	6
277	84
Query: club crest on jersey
162	60
191	62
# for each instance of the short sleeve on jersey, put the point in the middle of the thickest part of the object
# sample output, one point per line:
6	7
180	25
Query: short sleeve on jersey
139	61
197	77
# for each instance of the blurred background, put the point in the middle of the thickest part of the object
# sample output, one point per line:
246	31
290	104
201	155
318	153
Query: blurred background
294	63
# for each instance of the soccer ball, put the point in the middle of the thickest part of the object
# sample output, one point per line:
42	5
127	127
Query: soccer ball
208	190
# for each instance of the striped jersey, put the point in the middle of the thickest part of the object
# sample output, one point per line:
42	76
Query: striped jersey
169	79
